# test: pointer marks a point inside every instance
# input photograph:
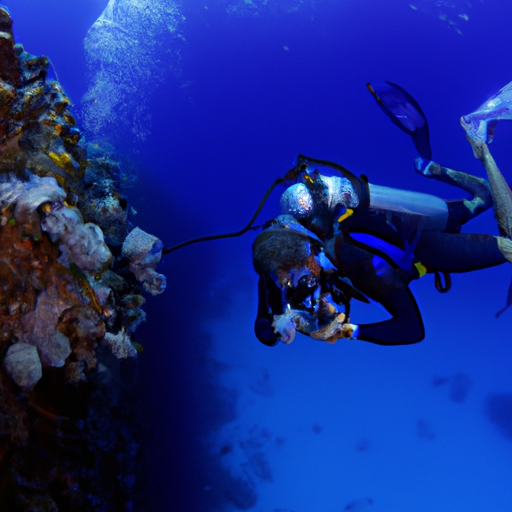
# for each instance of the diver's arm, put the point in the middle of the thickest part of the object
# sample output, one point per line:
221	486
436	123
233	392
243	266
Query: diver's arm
389	288
406	325
269	304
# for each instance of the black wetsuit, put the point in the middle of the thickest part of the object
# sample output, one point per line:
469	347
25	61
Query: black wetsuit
447	251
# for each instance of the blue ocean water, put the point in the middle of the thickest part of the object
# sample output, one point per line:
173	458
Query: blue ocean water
215	110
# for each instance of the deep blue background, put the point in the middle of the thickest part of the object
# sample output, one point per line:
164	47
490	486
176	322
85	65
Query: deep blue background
308	427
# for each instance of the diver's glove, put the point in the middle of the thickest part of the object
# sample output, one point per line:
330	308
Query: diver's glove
293	320
336	330
505	247
352	330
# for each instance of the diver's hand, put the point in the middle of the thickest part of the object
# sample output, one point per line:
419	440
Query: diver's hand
335	330
286	326
480	149
350	331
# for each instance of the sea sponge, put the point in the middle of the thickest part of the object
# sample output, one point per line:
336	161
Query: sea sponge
144	251
28	196
81	244
40	328
23	365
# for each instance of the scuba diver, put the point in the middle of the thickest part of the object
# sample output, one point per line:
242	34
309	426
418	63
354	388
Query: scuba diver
341	237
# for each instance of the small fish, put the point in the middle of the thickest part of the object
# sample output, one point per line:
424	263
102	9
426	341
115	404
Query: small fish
138	347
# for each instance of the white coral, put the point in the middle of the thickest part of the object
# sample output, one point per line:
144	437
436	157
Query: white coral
38	191
144	251
120	344
23	365
28	196
82	244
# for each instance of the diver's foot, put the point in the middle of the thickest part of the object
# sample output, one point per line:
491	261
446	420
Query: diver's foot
337	329
478	144
505	247
480	149
425	167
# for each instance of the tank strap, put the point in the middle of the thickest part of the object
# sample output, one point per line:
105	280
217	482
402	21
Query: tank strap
440	287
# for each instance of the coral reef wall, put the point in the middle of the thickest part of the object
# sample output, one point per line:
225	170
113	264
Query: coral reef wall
72	276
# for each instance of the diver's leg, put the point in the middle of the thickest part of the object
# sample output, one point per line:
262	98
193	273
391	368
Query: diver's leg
501	193
466	209
459	252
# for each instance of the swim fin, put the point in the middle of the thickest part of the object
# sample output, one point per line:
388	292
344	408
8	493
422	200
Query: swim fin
481	123
405	112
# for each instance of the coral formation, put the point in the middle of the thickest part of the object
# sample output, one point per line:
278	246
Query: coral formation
144	251
22	363
133	42
71	282
120	344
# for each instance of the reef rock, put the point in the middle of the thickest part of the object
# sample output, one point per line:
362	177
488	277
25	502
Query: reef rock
22	363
